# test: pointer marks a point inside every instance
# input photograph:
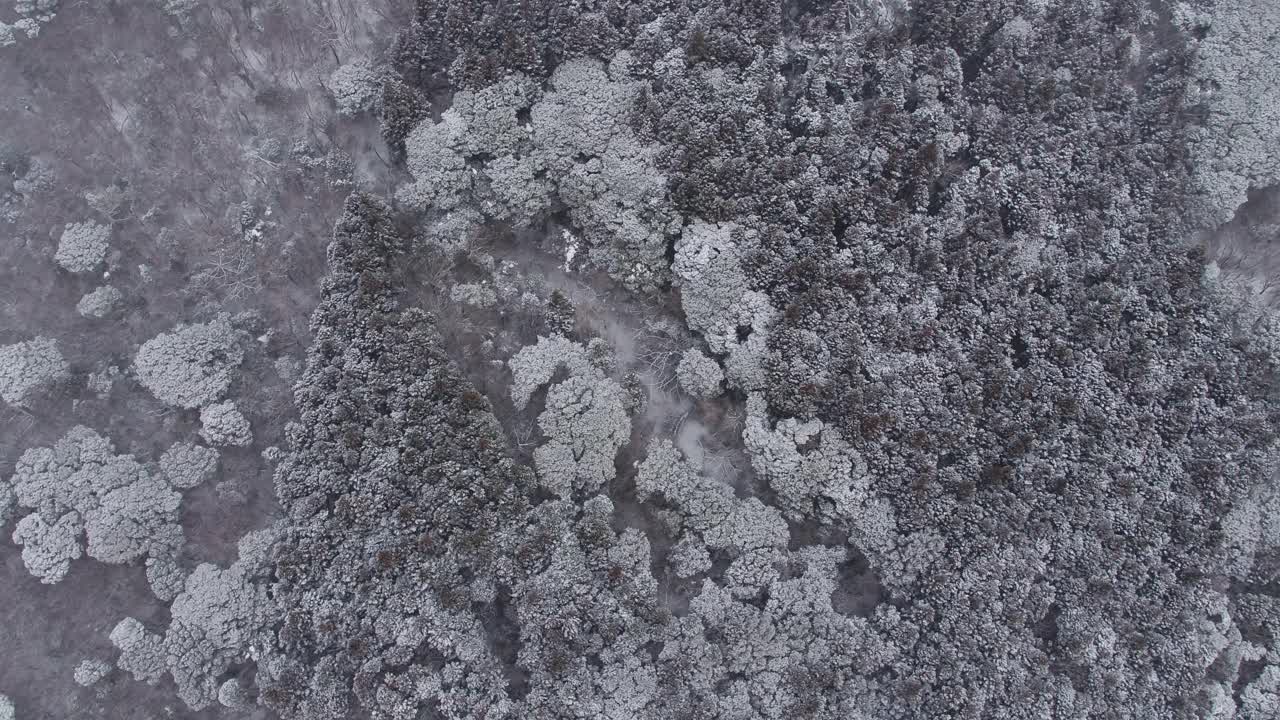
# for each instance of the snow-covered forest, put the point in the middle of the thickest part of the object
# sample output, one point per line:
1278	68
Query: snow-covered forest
640	359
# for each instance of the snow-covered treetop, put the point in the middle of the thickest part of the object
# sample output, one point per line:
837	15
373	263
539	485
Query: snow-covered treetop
215	621
81	487
99	302
708	506
356	87
583	113
826	479
1234	149
186	465
699	375
83	246
90	671
192	365
718	301
534	365
223	424
29	366
585	419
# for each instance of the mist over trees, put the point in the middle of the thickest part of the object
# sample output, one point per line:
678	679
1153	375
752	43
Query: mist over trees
476	359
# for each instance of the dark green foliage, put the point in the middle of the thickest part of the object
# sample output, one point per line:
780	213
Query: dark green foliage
402	109
1021	346
478	42
393	450
559	314
968	219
